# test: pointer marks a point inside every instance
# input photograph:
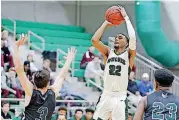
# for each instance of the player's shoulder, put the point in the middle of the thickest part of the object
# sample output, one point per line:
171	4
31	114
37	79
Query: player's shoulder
50	91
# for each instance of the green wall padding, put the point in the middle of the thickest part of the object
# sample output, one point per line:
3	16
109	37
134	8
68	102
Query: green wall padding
153	38
41	25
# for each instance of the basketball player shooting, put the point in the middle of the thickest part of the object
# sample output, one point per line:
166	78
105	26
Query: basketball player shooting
162	104
40	98
118	61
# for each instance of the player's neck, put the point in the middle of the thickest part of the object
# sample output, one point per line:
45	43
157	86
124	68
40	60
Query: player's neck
43	90
162	88
119	50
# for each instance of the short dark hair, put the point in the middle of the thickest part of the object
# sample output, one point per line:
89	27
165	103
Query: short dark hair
125	37
41	78
164	77
4	102
62	108
78	110
89	110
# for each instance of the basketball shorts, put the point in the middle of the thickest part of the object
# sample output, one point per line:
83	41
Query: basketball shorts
111	104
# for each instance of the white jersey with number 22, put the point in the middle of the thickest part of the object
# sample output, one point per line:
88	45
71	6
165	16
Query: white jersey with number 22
116	72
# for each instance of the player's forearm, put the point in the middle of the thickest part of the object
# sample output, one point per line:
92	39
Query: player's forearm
97	36
131	32
25	83
60	78
16	58
64	70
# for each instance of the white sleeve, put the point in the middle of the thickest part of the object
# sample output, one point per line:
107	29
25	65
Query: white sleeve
131	32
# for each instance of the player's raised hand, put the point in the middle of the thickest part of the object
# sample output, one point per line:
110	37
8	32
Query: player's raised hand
71	53
23	39
108	23
123	12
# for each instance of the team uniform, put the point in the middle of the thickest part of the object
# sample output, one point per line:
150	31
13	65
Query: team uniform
112	100
41	107
162	105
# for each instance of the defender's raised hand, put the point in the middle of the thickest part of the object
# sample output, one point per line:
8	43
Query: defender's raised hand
71	53
23	39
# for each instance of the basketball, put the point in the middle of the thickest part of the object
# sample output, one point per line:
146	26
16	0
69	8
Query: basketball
114	16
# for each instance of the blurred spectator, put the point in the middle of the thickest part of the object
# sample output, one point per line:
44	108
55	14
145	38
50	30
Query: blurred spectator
33	68
89	114
101	57
5	109
69	91
132	85
61	115
78	114
27	70
5	85
4	37
46	66
93	70
6	56
14	83
87	57
145	86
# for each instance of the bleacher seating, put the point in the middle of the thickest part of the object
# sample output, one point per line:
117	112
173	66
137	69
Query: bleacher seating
41	25
56	36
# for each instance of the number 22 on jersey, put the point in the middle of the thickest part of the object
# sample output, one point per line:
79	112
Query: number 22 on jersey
115	70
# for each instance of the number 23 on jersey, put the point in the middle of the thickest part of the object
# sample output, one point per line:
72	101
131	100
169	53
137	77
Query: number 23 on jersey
164	112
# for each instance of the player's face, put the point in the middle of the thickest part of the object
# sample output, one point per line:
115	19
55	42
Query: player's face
120	41
89	115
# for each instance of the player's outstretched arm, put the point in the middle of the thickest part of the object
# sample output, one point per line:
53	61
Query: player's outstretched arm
140	109
26	84
63	72
103	49
132	37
